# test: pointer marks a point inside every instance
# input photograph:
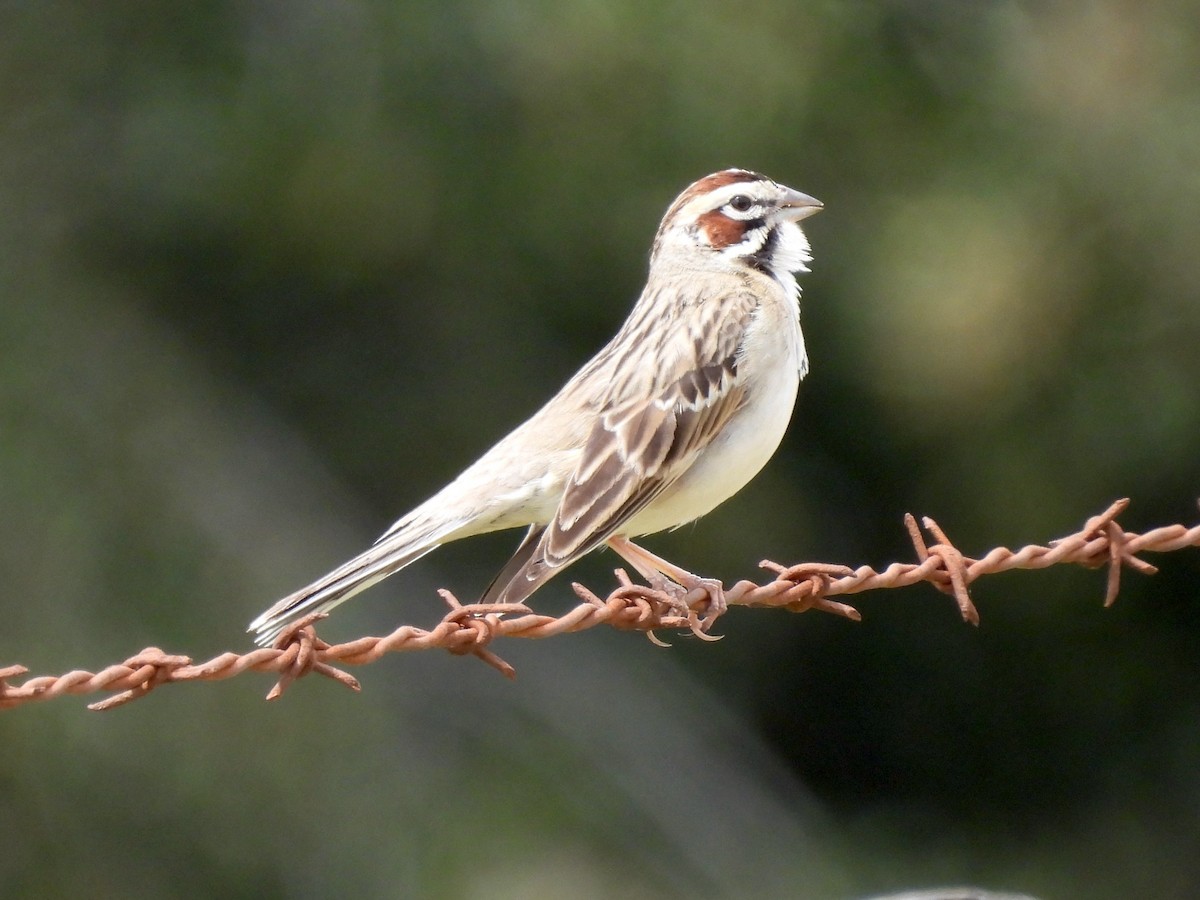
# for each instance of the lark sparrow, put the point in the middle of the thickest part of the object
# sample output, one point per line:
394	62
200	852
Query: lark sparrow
673	416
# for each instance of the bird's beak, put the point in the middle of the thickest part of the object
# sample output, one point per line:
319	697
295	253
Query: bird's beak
796	206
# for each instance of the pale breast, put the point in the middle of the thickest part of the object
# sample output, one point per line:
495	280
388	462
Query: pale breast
772	360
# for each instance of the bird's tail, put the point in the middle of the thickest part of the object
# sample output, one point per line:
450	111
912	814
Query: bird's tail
404	543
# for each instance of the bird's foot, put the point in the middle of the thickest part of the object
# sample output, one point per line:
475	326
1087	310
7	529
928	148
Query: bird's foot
678	590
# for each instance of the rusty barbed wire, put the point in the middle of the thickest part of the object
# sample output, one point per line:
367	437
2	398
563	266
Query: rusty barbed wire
471	629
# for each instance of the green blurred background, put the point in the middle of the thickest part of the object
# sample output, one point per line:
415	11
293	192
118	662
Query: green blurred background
272	273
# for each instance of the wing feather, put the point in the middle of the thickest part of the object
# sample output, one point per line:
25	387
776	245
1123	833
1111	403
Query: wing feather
644	439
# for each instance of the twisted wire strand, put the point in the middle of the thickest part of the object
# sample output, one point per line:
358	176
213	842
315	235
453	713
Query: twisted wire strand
471	629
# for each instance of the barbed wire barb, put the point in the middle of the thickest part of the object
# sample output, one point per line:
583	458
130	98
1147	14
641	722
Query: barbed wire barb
472	629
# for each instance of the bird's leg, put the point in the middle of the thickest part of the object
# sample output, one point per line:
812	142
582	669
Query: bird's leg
670	579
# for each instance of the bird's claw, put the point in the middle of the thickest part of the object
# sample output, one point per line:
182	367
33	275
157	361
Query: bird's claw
676	593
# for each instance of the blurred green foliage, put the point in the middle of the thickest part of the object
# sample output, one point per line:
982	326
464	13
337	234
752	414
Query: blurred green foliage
272	273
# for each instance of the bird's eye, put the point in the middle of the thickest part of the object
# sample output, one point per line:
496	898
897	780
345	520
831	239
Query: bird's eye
741	202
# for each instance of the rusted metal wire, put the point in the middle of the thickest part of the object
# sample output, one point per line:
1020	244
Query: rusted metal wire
471	629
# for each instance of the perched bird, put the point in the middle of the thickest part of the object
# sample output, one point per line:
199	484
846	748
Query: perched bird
676	414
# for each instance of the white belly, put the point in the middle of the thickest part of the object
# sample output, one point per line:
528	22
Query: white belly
773	361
